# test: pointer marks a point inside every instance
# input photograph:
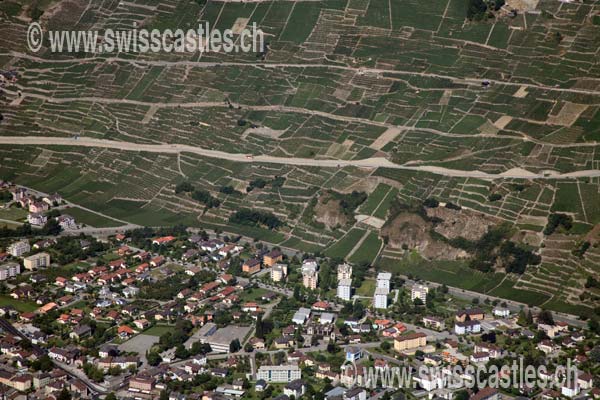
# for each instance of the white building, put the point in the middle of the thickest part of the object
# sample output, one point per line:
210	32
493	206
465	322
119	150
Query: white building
279	272
66	222
380	299
9	270
279	373
419	292
344	289
383	280
17	249
344	271
462	328
501	312
301	316
37	219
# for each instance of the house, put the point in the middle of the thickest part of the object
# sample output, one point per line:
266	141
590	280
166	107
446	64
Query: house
125	332
492	350
356	393
467	327
272	257
80	331
353	353
570	389
38	207
66	222
163	240
61	355
585	380
141	324
260	385
157	261
480	357
547	346
251	266
410	341
487	393
37	219
296	388
53	199
473	314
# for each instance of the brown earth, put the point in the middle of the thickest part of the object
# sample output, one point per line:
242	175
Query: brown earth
329	212
413	231
466	223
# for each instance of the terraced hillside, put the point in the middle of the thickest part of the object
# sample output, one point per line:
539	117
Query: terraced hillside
402	101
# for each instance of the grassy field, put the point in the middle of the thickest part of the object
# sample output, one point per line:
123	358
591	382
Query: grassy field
19	305
452	273
368	250
159	330
342	247
88	218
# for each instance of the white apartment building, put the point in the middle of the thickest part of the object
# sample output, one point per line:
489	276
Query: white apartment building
279	272
383	280
344	289
9	270
310	276
380	299
279	373
17	249
344	271
419	292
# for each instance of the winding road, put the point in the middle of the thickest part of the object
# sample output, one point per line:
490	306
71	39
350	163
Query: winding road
374	162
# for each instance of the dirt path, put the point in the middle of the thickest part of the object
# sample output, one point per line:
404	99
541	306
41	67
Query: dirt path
375	162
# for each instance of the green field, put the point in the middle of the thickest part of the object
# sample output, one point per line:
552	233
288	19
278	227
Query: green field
452	273
89	218
368	250
342	247
19	305
158	330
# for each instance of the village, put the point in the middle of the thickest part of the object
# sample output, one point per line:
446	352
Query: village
178	314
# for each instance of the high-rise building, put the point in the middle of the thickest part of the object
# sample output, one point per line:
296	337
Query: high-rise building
344	289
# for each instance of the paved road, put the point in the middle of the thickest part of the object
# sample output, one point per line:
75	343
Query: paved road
374	162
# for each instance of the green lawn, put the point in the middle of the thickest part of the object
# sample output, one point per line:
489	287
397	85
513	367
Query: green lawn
13	213
158	330
19	305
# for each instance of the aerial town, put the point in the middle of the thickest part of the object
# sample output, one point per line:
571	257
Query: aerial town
179	313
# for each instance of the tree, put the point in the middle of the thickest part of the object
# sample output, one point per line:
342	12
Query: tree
234	346
476	9
545	317
64	394
154	358
110	396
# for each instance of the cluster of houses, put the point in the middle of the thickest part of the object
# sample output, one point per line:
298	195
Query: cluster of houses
39	206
